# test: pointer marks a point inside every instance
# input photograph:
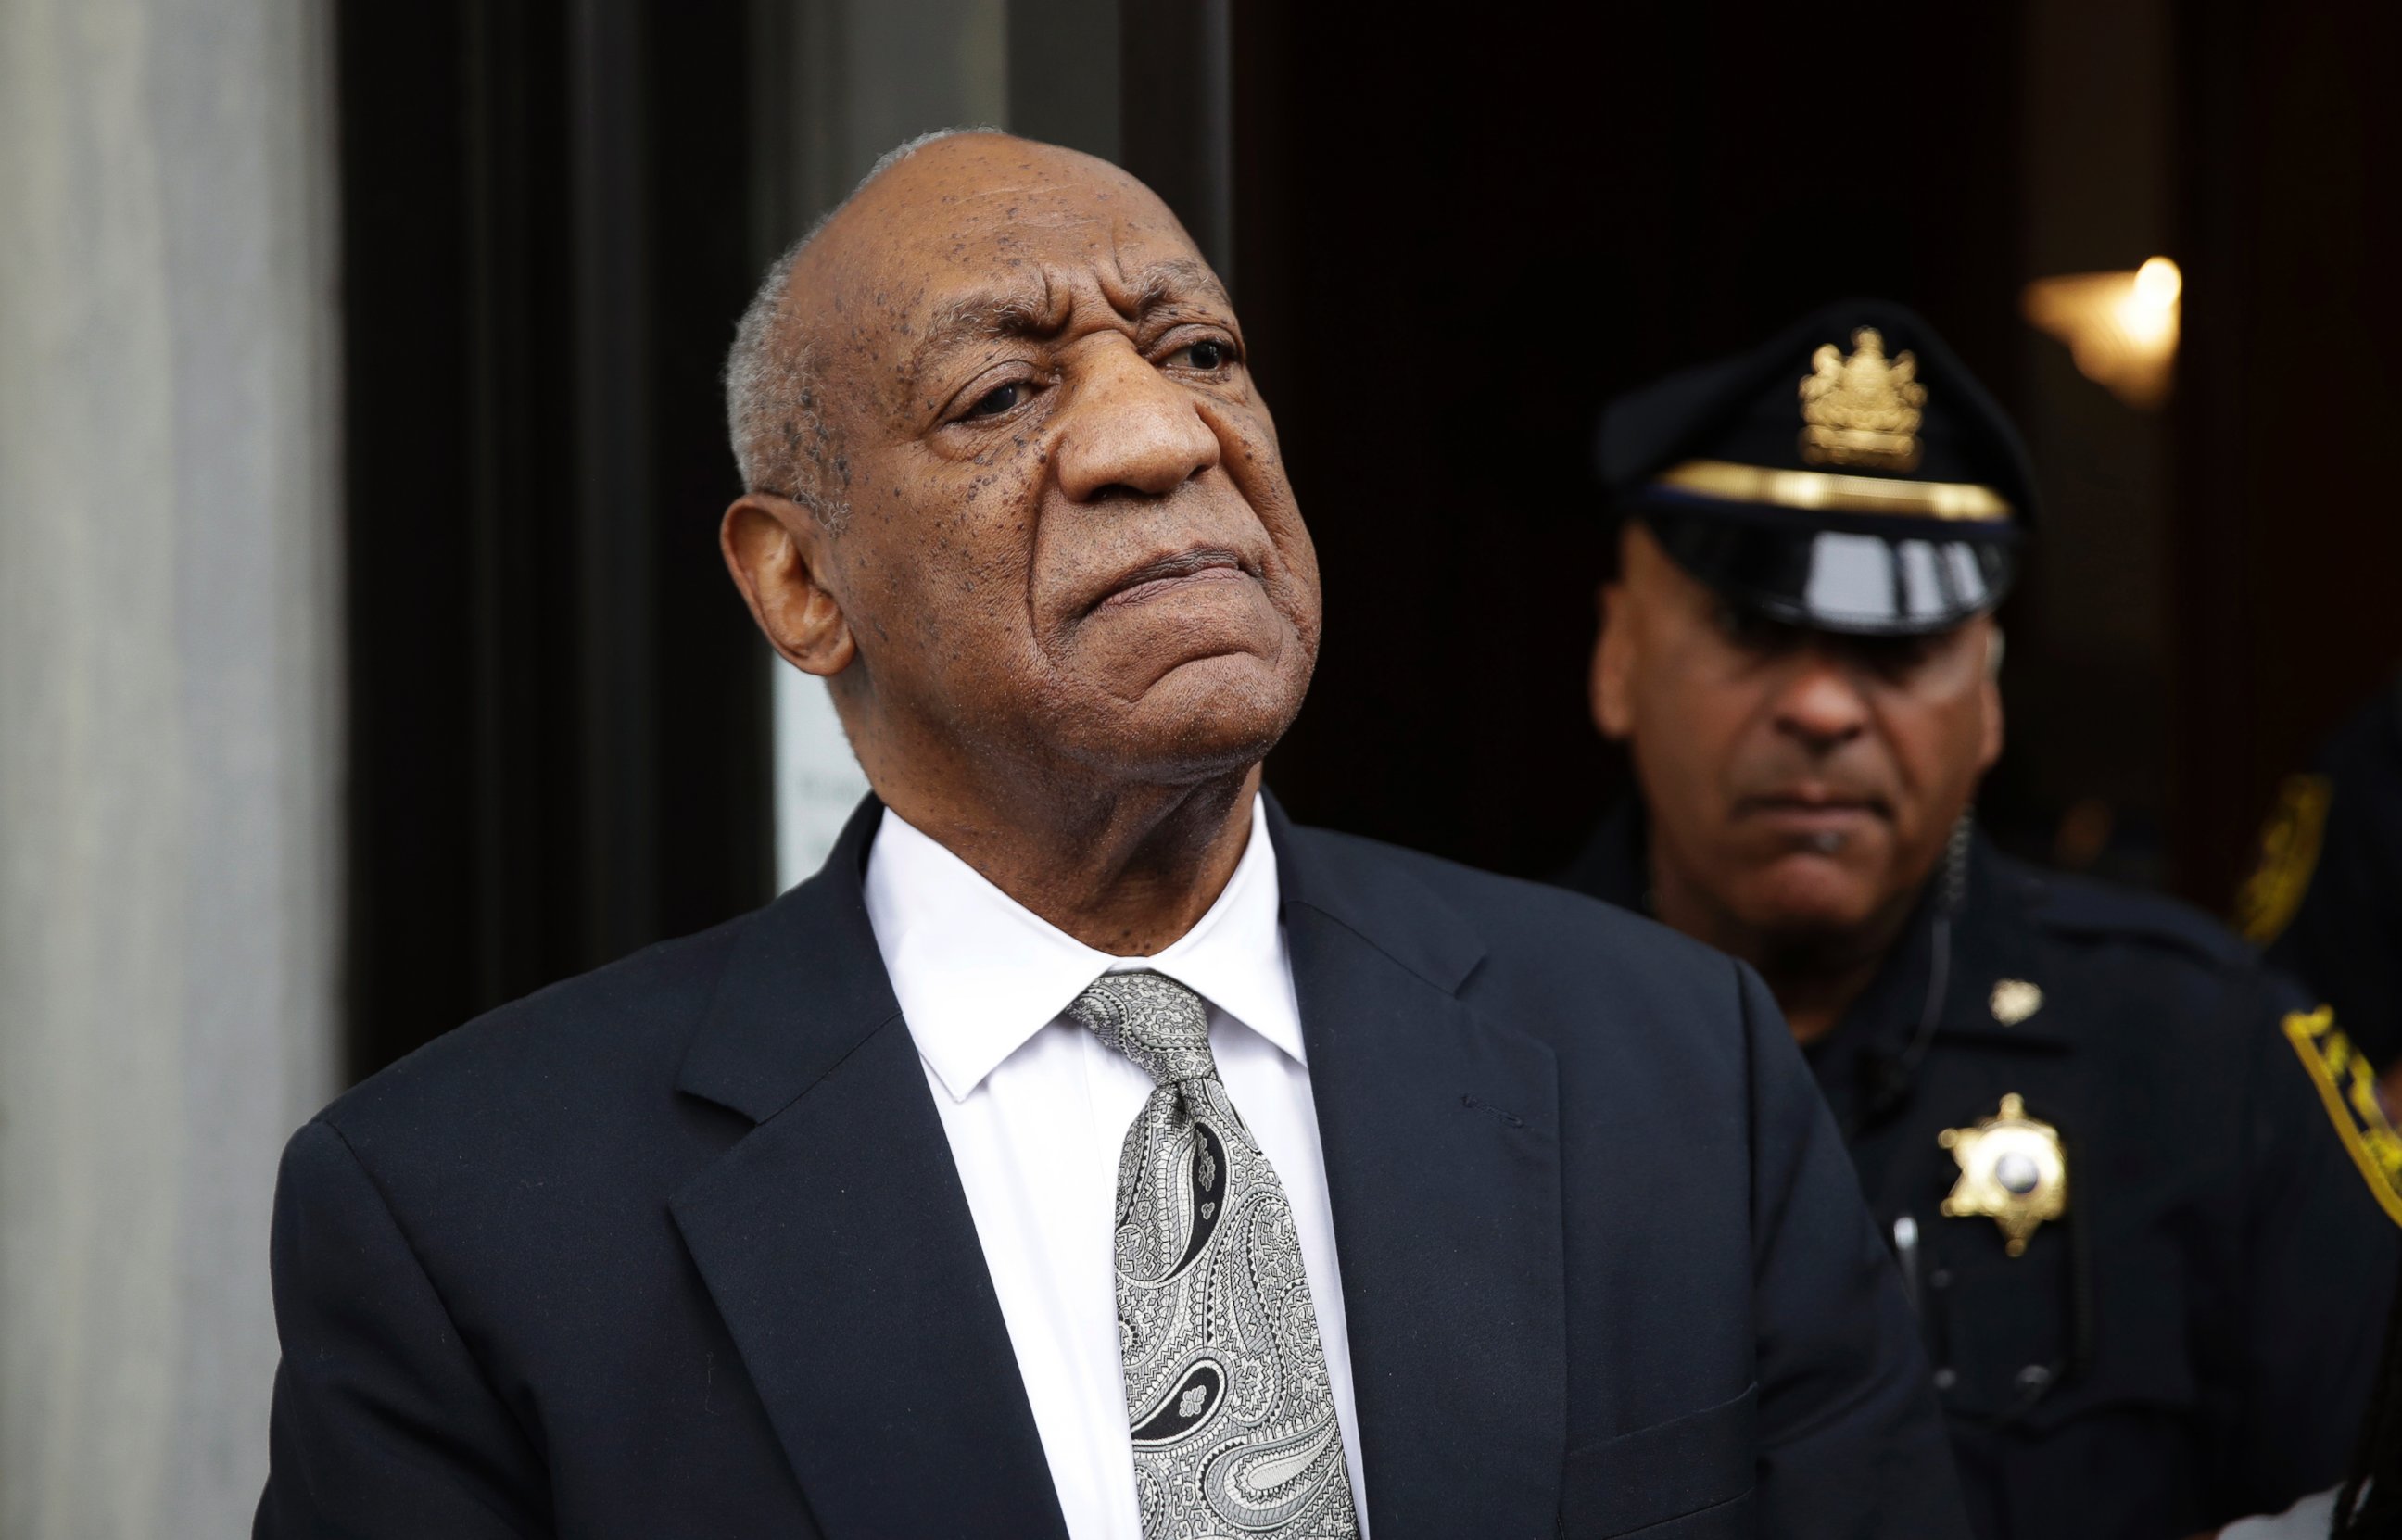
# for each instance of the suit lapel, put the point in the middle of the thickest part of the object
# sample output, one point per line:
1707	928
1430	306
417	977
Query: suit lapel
1442	1139
837	1244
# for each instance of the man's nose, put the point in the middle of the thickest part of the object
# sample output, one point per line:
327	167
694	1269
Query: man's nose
1130	428
1821	704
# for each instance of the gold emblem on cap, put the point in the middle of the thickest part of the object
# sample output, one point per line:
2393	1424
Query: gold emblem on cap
2014	1000
2012	1171
1862	410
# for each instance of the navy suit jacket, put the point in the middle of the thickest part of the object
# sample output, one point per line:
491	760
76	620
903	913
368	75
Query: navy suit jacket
677	1249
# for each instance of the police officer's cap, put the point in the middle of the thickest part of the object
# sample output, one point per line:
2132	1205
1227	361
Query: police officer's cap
1849	476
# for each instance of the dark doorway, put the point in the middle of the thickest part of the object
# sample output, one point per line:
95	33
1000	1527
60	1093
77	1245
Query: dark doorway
1450	263
558	730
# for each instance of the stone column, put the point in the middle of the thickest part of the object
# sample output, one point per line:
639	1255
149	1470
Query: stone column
170	729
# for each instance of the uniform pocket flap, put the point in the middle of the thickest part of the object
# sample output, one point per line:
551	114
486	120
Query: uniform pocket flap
2132	1383
1662	1472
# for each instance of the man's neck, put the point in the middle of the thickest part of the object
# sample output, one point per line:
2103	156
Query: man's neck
1126	871
1815	1001
1815	979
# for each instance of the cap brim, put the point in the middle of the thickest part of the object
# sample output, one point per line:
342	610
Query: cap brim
1851	580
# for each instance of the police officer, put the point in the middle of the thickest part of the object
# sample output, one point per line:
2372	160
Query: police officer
2151	1279
2326	899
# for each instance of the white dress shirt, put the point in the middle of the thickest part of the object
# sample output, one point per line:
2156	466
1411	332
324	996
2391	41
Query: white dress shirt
1037	1110
2311	1518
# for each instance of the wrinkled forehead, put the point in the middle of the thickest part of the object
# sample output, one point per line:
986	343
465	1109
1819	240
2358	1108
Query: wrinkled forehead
982	221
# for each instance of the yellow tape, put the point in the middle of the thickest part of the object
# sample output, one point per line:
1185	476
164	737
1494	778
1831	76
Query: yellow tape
2348	1085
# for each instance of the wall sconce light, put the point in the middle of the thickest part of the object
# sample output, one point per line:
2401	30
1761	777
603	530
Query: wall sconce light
2121	328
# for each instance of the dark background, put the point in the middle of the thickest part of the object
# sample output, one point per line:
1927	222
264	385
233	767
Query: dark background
558	734
1450	245
1447	269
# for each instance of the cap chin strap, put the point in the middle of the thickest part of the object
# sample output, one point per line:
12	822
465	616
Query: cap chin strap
1887	1078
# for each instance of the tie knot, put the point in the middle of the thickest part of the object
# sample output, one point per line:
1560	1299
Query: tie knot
1161	1025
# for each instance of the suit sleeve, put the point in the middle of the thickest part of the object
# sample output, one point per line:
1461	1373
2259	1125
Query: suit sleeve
383	1424
2321	1258
1850	1440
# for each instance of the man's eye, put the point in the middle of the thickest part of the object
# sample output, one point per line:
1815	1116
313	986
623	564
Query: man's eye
1000	399
1206	356
1896	657
1748	629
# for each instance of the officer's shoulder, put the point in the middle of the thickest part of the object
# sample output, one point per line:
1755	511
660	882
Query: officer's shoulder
1521	924
2081	909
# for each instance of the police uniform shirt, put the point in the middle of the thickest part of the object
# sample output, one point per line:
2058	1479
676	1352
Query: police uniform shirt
2195	1338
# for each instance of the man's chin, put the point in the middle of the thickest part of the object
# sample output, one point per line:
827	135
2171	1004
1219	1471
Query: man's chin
1206	717
1804	896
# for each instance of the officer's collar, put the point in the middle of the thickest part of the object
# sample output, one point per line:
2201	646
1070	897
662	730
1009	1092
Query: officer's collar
1996	993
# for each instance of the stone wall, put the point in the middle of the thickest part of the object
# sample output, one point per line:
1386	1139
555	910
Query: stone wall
170	729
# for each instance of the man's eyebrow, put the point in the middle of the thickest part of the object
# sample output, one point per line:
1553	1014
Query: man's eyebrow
984	315
1176	278
1027	310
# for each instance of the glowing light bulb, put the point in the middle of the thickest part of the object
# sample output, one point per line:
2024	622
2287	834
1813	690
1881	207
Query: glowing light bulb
2158	282
2121	327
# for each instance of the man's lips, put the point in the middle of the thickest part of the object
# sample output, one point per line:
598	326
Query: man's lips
1813	809
1170	574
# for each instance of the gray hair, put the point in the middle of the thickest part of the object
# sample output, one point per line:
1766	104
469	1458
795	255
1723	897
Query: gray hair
781	442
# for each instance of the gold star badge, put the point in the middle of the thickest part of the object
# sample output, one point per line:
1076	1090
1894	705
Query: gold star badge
2012	1169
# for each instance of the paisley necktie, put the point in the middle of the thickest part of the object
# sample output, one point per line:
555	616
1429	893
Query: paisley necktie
1232	1418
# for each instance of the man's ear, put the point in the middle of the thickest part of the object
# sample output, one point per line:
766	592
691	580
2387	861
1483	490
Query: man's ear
1613	662
776	552
1989	748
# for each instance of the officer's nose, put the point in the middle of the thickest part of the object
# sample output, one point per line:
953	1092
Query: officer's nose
1820	704
1130	428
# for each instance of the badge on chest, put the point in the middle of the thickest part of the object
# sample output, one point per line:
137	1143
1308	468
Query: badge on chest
2012	1171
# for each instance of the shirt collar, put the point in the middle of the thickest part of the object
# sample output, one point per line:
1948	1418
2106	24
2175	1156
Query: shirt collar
977	974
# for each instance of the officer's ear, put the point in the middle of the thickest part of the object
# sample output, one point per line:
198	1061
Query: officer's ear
1613	661
1990	689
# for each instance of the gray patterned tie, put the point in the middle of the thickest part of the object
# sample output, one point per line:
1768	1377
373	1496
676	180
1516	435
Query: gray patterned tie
1235	1432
